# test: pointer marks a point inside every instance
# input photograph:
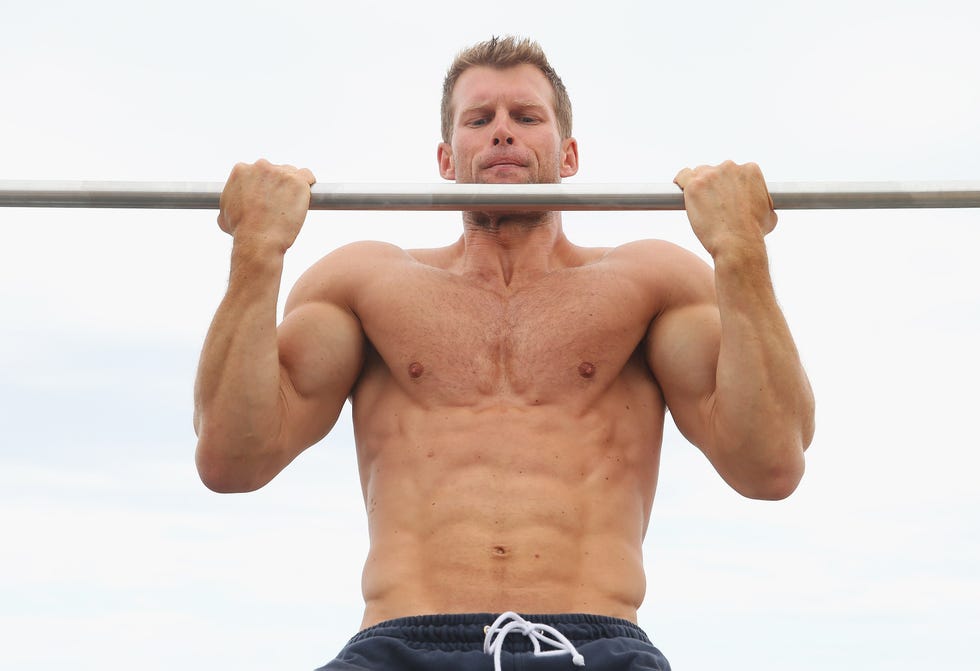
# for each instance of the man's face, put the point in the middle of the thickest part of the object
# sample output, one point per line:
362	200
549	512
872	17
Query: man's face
505	130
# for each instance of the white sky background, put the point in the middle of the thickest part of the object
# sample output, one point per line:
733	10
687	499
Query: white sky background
114	555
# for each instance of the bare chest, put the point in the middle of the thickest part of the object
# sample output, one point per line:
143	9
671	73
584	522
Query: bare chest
446	340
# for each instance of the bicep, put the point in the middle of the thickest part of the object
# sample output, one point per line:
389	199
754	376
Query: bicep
321	351
683	345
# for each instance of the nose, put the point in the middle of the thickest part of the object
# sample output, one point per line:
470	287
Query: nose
502	133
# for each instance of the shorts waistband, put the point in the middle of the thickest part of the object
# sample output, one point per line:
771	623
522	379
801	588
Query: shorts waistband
468	630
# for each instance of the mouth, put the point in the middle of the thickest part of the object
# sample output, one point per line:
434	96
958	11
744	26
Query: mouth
504	162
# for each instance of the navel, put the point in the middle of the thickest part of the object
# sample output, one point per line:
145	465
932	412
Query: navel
586	369
415	370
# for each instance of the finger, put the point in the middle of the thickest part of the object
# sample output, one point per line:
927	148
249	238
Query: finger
308	175
223	222
683	177
756	172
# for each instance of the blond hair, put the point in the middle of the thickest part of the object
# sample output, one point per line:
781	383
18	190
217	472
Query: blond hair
501	53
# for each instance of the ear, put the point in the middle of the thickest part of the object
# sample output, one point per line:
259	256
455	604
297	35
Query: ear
569	157
447	167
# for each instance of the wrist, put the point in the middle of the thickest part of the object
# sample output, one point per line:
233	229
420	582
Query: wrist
740	251
258	249
742	271
255	259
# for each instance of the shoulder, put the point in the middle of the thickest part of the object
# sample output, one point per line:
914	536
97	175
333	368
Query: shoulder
658	251
673	273
337	276
360	255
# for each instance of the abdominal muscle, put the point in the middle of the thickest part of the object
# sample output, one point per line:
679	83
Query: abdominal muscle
503	506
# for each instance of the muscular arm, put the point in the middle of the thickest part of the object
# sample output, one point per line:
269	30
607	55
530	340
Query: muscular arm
729	368
263	394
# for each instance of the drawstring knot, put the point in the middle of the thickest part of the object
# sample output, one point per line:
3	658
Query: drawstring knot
493	643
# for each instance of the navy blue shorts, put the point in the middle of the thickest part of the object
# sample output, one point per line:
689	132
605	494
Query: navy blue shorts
456	643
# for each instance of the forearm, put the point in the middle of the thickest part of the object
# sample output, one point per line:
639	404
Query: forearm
762	412
237	395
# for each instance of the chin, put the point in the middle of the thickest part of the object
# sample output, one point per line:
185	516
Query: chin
506	180
508	177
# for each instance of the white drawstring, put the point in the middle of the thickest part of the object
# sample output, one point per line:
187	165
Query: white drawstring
493	643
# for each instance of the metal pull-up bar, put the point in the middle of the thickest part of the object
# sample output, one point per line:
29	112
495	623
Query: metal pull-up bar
490	197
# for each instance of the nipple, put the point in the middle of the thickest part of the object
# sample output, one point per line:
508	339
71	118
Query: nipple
586	369
415	370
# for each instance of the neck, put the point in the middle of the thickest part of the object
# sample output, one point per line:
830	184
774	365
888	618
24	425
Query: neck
510	250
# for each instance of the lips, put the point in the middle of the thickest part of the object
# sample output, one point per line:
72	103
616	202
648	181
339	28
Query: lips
504	160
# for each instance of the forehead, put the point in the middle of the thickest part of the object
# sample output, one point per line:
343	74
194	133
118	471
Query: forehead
481	84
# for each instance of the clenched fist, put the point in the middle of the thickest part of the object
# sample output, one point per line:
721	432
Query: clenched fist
265	205
727	205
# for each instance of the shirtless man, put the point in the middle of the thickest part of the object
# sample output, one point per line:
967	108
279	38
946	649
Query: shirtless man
508	391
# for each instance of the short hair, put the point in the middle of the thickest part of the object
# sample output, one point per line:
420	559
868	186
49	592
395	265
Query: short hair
501	53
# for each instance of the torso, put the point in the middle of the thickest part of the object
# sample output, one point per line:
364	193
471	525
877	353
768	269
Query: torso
508	442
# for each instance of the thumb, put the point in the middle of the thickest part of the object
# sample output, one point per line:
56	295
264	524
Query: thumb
683	177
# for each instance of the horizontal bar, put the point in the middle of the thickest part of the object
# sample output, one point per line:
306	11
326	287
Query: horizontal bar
489	197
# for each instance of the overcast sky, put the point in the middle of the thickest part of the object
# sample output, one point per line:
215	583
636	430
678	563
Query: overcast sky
113	555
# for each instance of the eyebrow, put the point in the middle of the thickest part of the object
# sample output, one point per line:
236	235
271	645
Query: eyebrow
519	104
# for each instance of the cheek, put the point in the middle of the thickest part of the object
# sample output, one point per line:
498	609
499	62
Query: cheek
550	145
